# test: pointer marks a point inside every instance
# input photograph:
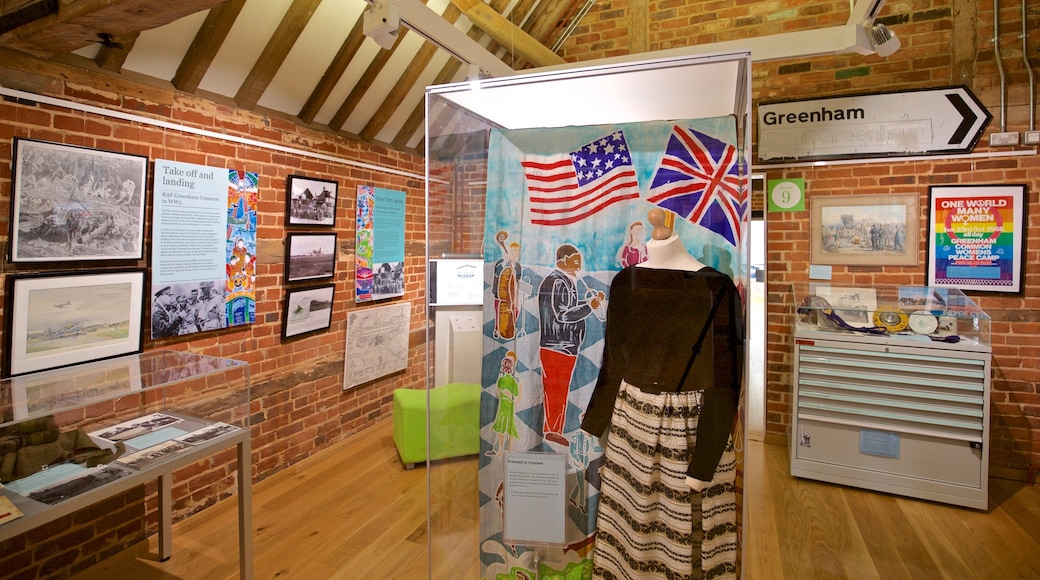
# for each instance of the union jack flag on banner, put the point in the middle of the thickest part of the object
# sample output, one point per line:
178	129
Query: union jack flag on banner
699	179
570	187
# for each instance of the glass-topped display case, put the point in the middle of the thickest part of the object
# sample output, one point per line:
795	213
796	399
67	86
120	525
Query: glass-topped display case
891	391
73	436
894	313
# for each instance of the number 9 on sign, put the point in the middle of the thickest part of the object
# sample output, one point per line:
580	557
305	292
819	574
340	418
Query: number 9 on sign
786	195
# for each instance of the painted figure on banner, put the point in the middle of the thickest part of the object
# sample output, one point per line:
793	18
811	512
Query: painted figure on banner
505	419
582	448
633	251
240	290
506	288
562	313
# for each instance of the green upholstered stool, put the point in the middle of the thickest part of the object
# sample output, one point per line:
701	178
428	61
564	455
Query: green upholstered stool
454	417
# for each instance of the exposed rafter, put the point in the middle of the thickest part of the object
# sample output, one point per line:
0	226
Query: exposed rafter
205	45
274	54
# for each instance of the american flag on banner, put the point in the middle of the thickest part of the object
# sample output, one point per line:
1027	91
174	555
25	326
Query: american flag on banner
699	179
570	187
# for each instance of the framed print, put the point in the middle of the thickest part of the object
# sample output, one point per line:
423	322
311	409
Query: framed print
312	202
74	203
864	230
307	310
56	321
310	257
975	237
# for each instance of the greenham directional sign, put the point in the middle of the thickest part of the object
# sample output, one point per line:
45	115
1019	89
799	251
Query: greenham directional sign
923	122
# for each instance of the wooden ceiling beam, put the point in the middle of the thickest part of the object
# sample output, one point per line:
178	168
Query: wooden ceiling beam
114	51
274	54
406	82
334	73
364	83
205	45
507	34
78	23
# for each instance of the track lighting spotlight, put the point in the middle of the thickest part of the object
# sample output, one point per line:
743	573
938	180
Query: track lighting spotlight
884	41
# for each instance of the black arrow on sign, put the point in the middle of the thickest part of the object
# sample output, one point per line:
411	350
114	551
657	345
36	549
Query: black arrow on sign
969	118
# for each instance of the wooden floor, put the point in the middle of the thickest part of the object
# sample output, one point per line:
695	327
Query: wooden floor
353	512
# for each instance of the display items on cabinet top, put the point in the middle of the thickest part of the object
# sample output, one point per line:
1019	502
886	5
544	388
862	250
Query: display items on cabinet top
69	431
911	313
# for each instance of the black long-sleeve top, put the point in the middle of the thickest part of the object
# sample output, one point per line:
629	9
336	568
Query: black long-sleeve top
654	318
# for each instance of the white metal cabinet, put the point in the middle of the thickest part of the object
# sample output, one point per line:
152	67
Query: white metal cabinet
897	414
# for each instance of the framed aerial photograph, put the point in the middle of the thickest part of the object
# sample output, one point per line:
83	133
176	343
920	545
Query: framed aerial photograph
73	203
864	230
310	257
975	237
307	310
311	201
61	320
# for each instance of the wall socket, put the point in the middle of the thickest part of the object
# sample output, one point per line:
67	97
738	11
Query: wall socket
1003	139
1031	138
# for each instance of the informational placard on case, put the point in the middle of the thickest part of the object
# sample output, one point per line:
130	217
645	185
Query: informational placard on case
455	282
535	498
879	443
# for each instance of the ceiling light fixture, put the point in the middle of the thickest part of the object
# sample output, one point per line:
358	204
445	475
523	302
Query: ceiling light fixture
884	41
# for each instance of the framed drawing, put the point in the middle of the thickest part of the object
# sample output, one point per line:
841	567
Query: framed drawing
311	201
864	230
307	311
310	257
56	321
74	203
975	237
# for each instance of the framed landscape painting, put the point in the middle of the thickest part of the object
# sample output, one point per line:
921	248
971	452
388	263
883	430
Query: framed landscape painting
864	230
60	320
73	203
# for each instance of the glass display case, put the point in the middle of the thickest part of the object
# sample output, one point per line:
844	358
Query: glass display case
600	133
891	391
897	313
74	436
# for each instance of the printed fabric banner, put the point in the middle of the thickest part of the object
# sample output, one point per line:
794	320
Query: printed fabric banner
566	210
240	290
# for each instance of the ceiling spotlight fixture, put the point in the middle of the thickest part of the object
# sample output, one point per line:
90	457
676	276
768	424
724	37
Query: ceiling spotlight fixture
884	41
381	21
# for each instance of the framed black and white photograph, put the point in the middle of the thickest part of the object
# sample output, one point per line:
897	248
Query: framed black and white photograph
307	311
311	201
60	320
310	257
75	203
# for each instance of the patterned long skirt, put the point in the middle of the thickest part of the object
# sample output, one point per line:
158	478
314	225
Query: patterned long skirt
651	525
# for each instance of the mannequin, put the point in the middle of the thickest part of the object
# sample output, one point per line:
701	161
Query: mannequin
671	372
665	250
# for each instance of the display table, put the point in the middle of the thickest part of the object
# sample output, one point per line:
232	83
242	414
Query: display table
903	412
168	409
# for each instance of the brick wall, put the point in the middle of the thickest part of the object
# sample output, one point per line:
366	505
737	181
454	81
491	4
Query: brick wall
943	43
298	404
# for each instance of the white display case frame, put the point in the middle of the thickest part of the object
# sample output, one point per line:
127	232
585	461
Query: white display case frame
198	390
